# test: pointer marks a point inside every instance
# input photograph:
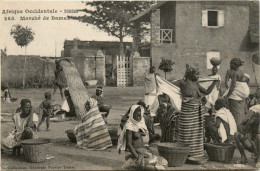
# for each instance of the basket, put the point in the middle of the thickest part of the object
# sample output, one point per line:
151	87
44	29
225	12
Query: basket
175	153
215	61
35	150
71	135
113	134
220	152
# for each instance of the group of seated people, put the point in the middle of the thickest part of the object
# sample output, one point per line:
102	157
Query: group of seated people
220	128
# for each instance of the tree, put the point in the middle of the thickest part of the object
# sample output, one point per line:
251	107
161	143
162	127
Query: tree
22	36
112	16
166	66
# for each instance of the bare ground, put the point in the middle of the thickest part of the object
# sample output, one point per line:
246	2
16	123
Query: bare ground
67	156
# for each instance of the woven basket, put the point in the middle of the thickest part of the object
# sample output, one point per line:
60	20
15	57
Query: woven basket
175	153
220	152
71	135
35	150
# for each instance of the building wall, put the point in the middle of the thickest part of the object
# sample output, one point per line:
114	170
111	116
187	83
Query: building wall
89	67
38	70
194	41
141	66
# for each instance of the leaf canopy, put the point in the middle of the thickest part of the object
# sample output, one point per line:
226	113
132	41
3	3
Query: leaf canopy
22	35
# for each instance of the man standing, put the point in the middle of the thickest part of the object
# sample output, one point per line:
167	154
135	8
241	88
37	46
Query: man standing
60	81
150	97
101	106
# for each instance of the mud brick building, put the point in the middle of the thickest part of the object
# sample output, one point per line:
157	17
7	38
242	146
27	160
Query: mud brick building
193	32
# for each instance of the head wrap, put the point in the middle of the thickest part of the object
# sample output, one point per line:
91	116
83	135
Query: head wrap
99	88
247	75
236	62
132	125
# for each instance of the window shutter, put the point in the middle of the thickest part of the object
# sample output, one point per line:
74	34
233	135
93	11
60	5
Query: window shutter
221	18
204	17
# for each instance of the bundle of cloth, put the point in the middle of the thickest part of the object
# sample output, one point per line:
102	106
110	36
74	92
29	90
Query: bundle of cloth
241	90
174	91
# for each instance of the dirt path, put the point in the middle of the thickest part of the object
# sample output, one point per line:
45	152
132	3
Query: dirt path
67	155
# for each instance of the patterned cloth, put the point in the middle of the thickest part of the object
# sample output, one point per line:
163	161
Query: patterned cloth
92	132
168	125
191	127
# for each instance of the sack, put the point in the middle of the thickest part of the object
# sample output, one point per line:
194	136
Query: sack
65	106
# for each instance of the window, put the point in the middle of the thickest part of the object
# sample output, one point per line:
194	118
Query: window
212	18
212	54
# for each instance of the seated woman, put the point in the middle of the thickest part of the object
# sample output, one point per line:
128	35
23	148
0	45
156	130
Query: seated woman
148	122
223	130
25	122
249	136
168	123
92	132
131	141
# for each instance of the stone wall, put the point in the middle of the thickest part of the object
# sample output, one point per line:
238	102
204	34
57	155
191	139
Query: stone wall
38	70
90	64
192	41
141	66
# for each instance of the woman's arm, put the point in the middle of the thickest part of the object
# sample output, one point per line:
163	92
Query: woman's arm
208	91
233	84
129	145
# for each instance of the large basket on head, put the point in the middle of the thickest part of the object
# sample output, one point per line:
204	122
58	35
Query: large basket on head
175	153
35	150
220	152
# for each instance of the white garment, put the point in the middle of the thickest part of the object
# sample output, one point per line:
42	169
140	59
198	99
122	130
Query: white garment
20	123
213	96
171	90
240	92
134	126
226	116
151	100
255	108
65	106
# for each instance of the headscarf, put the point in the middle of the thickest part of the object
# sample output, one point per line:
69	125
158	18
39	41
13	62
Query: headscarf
134	125
247	75
131	125
236	62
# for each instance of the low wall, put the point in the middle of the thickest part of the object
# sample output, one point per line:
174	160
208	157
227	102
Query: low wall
38	70
91	65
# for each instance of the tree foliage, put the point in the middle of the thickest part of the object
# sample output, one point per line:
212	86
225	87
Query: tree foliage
22	35
166	65
112	16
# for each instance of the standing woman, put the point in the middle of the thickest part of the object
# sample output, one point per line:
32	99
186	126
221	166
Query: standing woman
191	117
236	103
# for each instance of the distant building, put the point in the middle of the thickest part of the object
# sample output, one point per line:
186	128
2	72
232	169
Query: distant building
87	49
192	32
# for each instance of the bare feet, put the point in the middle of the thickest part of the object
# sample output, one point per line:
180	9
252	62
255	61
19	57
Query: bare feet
243	160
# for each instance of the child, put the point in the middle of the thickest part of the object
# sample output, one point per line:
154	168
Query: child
225	126
47	108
